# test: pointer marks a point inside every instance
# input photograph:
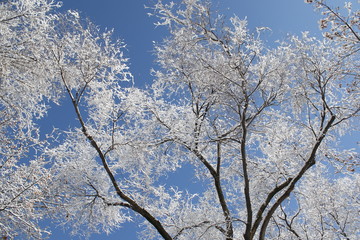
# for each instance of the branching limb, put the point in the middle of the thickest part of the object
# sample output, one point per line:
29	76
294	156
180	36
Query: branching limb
309	163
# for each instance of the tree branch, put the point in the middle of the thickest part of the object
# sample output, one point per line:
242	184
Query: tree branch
132	203
309	163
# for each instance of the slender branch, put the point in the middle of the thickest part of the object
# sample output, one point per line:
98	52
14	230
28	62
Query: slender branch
6	205
289	224
342	229
220	194
133	204
12	18
341	20
190	227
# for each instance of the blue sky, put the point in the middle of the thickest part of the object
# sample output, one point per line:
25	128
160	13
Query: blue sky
131	23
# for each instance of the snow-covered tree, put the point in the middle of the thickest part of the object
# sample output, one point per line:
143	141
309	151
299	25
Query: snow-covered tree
253	121
25	82
259	126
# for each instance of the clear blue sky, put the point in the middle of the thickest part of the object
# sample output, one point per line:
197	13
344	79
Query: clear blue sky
130	22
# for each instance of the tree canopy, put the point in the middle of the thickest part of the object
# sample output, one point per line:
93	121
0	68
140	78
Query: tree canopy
259	126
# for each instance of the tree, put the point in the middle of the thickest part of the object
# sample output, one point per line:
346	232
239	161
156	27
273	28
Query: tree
258	125
25	82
